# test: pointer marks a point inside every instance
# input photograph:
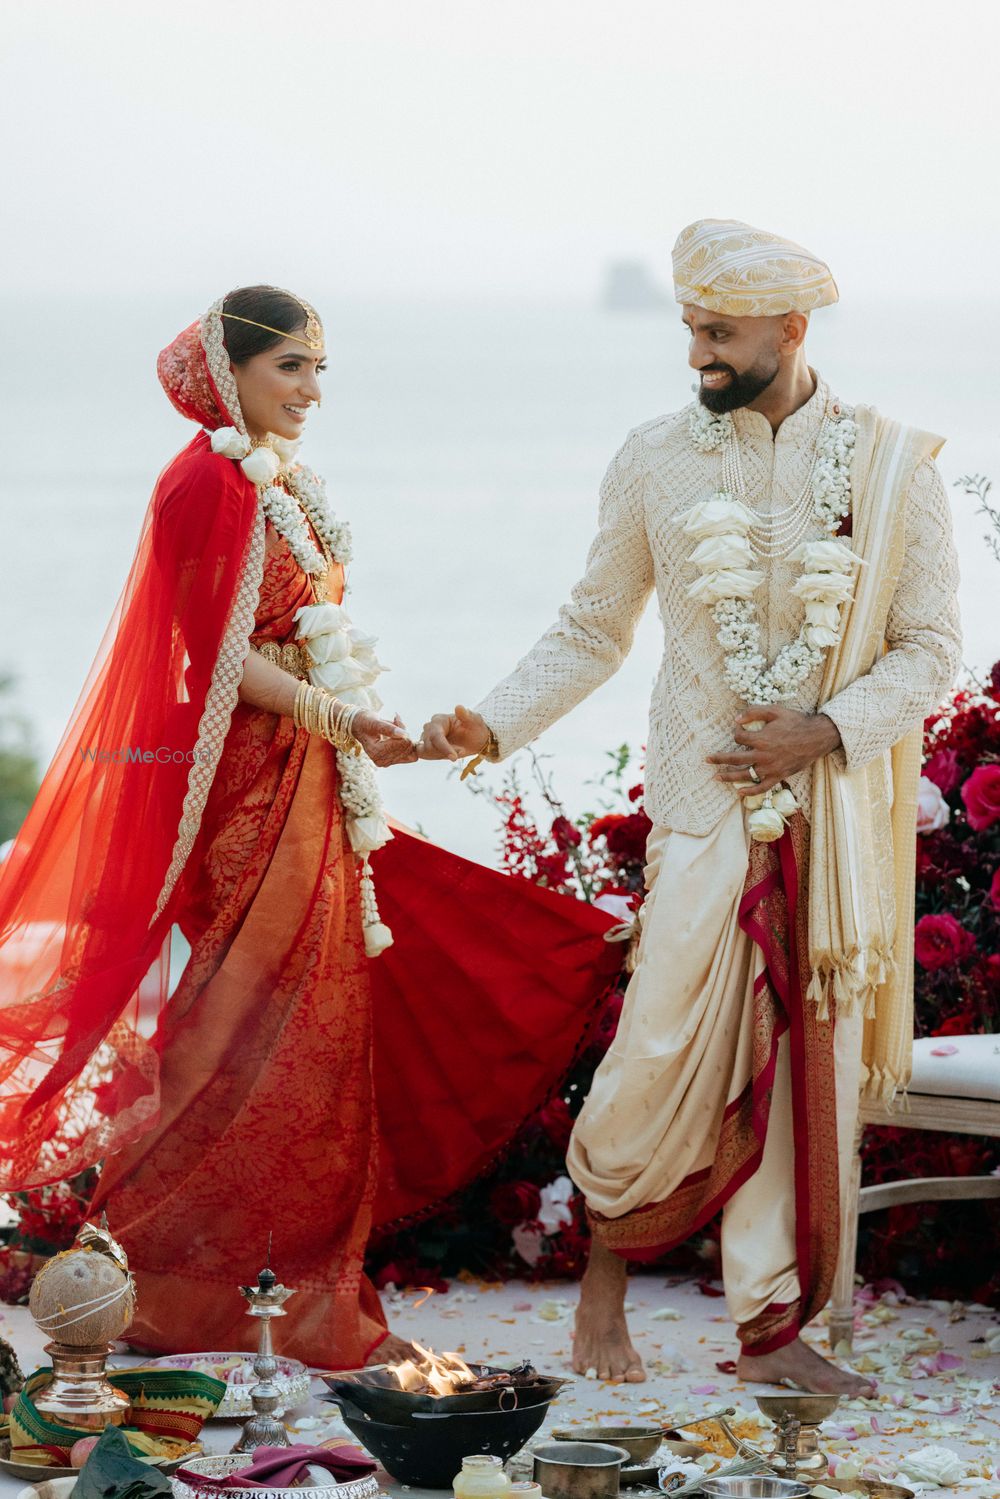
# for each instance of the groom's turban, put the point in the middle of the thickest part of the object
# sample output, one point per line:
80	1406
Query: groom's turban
739	271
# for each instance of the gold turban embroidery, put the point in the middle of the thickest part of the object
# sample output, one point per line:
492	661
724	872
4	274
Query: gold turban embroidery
739	271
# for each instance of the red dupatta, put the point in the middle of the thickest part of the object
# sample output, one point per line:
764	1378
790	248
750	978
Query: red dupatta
88	892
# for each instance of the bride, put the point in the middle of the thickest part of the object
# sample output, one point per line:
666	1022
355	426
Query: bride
307	1081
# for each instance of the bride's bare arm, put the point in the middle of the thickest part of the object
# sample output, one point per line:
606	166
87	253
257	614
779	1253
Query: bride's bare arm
265	685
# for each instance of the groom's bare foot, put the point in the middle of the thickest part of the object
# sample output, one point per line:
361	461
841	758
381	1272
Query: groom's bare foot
391	1350
803	1367
600	1339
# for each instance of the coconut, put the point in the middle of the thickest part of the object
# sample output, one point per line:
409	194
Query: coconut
83	1298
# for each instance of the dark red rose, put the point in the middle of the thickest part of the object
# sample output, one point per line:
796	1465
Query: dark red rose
565	834
557	1122
636	793
515	1202
940	940
625	836
994	896
962	1023
981	795
551	870
993	687
990	971
602	826
944	769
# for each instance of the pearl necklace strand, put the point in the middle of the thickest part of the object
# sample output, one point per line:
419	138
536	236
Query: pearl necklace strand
774	535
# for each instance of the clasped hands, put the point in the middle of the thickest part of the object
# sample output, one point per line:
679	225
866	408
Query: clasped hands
785	742
447	736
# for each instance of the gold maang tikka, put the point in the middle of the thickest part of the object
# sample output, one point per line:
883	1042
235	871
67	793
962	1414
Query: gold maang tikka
313	329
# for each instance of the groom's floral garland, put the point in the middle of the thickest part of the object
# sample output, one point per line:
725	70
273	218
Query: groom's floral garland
724	556
343	656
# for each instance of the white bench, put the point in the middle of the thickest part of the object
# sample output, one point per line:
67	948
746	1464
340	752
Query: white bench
958	1094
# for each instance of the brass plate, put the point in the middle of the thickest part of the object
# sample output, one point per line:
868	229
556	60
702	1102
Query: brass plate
35	1473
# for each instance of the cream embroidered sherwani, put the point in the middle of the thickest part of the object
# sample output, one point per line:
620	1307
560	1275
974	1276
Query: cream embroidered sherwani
660	1099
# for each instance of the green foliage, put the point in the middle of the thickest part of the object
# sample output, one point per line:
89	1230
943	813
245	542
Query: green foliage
19	775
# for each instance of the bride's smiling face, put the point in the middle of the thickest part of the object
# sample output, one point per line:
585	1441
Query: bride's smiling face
277	388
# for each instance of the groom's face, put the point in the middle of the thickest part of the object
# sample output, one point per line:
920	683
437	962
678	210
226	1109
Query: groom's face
736	357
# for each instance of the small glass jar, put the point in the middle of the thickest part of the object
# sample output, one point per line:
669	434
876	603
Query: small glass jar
526	1490
482	1477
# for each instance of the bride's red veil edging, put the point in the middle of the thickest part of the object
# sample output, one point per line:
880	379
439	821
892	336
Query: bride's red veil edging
90	887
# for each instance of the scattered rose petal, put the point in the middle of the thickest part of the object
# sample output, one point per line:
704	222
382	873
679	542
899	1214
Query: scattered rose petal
947	1050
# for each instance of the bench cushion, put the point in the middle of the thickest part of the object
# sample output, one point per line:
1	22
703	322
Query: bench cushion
970	1070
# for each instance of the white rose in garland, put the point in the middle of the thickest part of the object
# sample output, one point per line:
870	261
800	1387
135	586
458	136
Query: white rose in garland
728	550
230	442
331	639
717	517
261	466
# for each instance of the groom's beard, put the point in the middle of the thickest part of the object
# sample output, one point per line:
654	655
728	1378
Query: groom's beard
742	389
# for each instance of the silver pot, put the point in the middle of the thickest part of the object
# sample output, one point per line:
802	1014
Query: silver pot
579	1470
754	1486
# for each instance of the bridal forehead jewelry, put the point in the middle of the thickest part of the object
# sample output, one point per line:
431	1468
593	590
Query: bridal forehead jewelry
313	329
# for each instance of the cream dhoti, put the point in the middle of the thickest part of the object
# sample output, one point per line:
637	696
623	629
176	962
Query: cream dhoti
723	1088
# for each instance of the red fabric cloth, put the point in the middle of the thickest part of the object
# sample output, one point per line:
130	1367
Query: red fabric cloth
479	1009
284	1467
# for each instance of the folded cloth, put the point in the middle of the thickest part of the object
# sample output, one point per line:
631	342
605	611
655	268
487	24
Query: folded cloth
167	1411
283	1467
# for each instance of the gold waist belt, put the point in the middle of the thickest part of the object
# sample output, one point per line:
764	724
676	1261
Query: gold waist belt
290	657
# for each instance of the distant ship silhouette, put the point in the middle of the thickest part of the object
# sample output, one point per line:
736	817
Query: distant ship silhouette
629	287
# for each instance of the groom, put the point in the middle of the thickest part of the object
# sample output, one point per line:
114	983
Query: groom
802	559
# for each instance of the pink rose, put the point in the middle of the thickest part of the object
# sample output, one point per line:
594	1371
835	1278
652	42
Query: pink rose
981	795
932	809
939	941
944	769
994	896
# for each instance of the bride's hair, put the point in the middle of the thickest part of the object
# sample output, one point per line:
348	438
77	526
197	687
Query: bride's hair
261	304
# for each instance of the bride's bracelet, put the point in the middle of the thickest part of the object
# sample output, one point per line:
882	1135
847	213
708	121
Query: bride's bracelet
321	713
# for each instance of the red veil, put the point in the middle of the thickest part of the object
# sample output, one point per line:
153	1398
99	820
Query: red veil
87	893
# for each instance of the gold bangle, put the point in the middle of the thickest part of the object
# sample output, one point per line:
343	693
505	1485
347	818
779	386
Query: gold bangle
320	713
302	692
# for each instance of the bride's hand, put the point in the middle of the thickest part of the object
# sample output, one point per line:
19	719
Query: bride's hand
383	742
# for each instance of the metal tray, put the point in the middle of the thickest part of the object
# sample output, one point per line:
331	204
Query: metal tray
292	1378
224	1465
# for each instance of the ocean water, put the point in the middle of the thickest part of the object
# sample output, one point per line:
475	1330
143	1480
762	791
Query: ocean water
466	444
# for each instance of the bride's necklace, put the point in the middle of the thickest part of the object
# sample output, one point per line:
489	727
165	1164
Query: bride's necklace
300	496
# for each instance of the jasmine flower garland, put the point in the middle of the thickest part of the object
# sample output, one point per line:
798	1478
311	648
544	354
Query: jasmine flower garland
723	555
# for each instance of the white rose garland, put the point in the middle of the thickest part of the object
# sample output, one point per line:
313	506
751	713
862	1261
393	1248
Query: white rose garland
727	582
343	656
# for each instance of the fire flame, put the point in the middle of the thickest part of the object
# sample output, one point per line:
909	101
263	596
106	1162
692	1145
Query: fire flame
441	1374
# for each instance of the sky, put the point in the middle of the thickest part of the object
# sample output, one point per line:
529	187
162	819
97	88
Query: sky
465	148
